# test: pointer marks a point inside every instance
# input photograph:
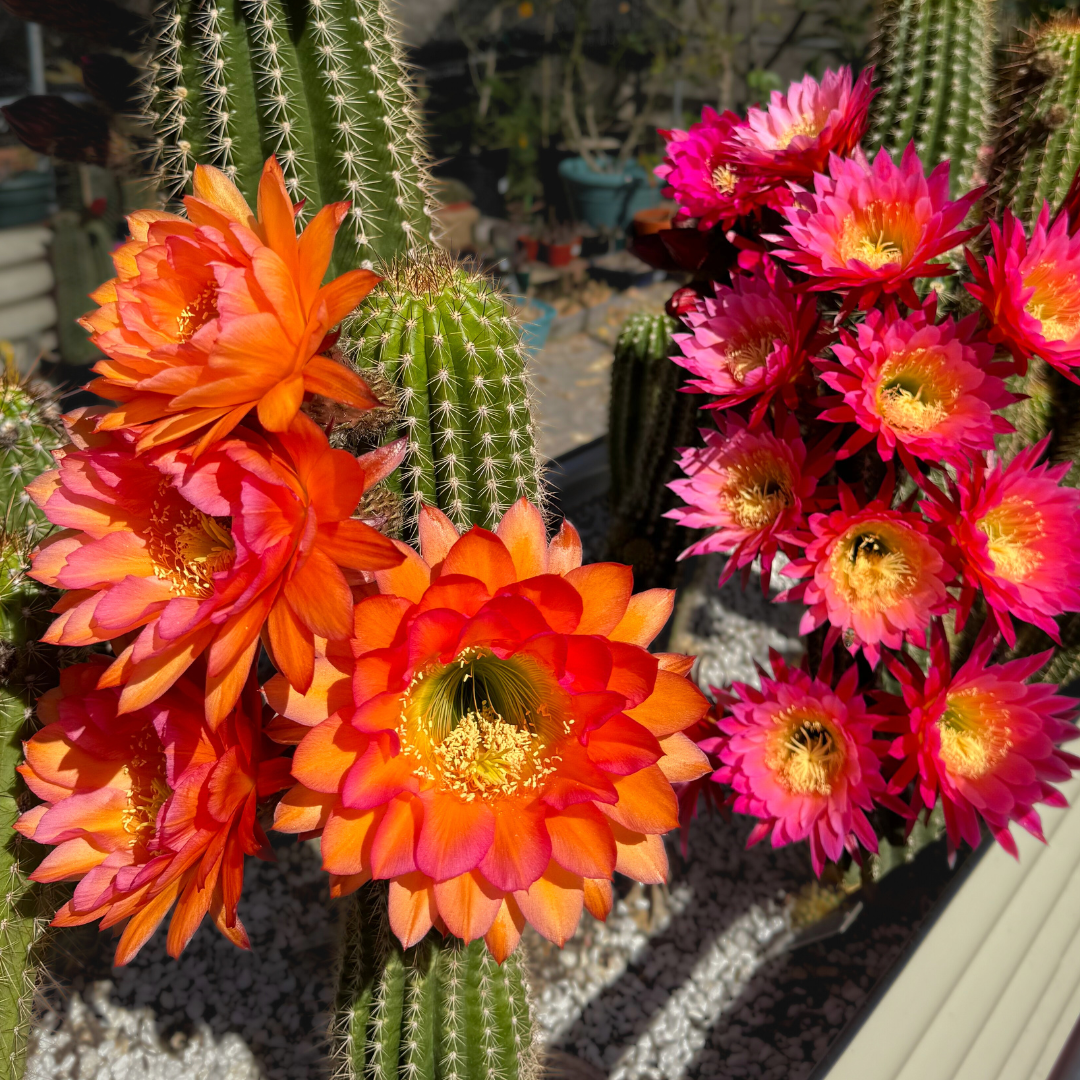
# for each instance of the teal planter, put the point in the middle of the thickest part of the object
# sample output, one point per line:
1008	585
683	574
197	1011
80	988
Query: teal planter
609	200
25	199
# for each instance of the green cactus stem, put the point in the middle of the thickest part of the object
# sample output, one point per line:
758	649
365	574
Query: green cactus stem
649	419
441	1010
319	83
1037	138
935	73
448	346
28	429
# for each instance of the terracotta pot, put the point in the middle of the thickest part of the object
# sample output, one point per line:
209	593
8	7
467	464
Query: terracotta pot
653	220
530	246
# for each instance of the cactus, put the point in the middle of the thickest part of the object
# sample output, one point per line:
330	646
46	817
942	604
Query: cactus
447	345
441	1009
649	419
320	83
1037	141
936	72
27	432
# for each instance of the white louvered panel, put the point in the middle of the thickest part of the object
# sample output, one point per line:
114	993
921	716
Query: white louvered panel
994	989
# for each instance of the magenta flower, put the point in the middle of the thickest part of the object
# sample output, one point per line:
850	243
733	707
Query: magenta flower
1031	291
1015	528
793	138
752	489
876	574
750	341
923	386
703	175
873	229
800	758
985	739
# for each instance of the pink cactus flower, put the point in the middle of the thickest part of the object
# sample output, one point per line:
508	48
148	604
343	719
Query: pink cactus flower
873	229
984	738
751	341
793	138
1015	529
876	574
1031	291
703	175
925	387
752	489
801	759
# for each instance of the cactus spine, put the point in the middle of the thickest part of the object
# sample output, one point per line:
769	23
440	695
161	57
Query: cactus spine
1037	142
649	419
27	432
437	1011
447	345
936	73
321	84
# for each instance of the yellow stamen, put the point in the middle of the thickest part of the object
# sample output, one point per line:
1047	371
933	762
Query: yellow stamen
186	546
749	352
197	314
1012	528
759	489
870	568
873	236
482	726
1054	303
806	126
914	395
974	734
148	790
723	179
809	753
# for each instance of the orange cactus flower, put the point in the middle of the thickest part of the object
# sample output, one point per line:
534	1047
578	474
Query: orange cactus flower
200	556
216	314
148	809
508	742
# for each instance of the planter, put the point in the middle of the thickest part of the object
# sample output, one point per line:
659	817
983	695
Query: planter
26	198
534	333
609	200
559	254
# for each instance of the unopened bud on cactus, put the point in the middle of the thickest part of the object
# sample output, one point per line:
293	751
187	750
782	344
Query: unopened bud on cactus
322	85
447	344
51	125
1037	142
935	69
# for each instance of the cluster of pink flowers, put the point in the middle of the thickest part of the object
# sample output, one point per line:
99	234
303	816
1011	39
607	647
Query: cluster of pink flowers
854	438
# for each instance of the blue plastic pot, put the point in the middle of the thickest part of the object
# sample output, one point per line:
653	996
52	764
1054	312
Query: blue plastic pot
25	199
534	334
609	200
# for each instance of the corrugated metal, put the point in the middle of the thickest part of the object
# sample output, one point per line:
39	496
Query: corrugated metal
993	990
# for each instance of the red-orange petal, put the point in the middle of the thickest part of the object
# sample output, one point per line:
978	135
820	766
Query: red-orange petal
522	531
553	903
482	555
347	838
468	904
582	842
409	580
411	907
646	615
303	810
598	898
641	856
455	835
564	551
605	590
438	534
674	705
505	932
393	851
646	802
520	849
327	753
683	759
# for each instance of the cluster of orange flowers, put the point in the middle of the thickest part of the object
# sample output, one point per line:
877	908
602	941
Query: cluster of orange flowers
479	723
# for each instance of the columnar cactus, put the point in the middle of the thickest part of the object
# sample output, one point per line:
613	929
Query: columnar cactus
27	431
1037	141
649	419
437	1011
447	345
936	72
321	84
